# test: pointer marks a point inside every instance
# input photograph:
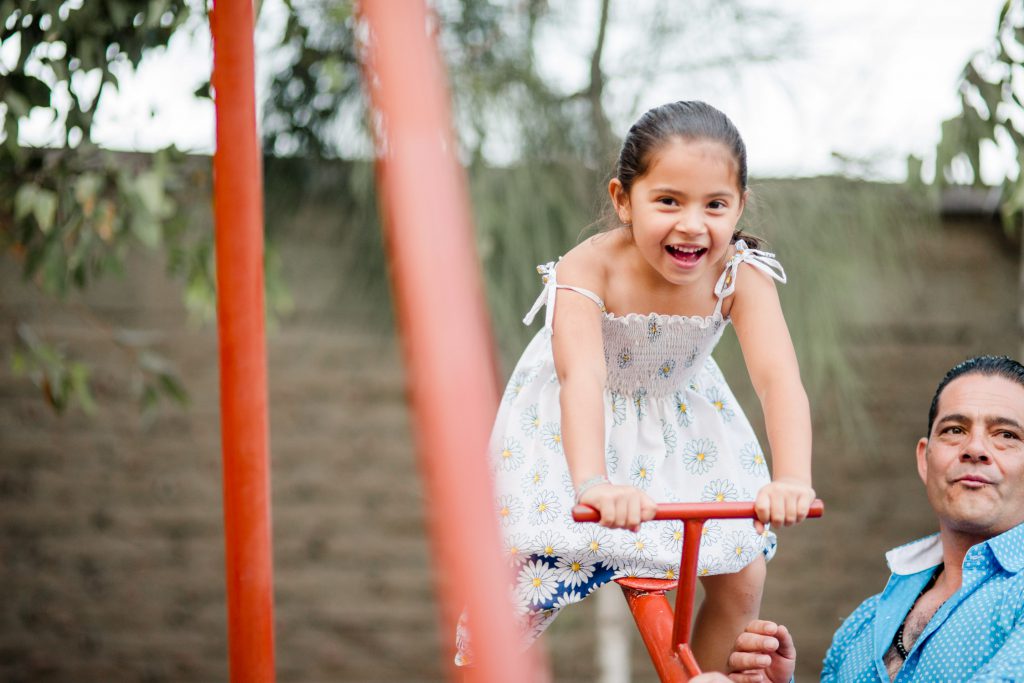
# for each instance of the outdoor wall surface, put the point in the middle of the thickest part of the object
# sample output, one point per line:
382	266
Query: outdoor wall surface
111	554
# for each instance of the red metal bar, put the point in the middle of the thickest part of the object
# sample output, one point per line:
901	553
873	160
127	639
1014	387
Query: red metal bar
445	329
653	617
689	661
686	594
684	511
238	219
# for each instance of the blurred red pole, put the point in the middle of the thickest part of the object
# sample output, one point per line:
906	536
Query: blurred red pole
238	218
445	328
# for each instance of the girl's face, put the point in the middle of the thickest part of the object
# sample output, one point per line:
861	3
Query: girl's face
684	210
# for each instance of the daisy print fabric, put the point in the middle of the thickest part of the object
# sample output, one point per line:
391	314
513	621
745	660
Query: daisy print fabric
672	428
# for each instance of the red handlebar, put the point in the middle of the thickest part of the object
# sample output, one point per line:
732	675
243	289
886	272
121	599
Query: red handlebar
585	513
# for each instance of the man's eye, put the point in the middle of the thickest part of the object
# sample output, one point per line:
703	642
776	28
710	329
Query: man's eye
1009	435
953	430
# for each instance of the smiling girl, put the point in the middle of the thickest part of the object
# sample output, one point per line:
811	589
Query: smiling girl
617	402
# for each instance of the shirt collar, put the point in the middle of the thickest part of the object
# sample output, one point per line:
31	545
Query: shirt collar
1008	548
915	556
925	553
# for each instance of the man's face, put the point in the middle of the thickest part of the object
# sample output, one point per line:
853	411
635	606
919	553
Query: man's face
972	463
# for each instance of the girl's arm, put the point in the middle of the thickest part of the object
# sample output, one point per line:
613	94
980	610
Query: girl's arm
771	362
579	362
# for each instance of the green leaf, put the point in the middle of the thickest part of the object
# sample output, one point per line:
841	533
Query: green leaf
119	16
148	399
80	389
155	11
44	209
19	363
7	8
153	362
90	52
24	200
149	187
18	103
86	187
914	168
11	140
146	230
173	388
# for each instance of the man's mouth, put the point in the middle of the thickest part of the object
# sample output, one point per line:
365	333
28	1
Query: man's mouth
685	255
972	481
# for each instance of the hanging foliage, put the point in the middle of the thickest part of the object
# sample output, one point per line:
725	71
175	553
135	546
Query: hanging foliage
991	116
71	212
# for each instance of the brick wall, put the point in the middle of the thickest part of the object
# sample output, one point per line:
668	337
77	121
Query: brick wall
111	553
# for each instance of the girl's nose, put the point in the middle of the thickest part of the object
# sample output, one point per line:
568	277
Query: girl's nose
689	222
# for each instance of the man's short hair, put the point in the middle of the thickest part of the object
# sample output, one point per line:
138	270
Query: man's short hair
991	366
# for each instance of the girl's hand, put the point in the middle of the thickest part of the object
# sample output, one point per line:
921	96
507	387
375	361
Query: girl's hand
621	507
783	502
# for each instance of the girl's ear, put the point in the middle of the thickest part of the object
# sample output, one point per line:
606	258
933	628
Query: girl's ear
743	202
620	200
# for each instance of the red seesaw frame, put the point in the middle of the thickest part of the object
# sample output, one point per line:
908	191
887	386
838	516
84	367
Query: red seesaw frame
667	637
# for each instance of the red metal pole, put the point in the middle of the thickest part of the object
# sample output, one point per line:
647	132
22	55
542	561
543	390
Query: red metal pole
653	617
238	218
445	329
687	591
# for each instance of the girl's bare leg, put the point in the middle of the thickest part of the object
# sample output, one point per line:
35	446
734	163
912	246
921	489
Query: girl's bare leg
731	601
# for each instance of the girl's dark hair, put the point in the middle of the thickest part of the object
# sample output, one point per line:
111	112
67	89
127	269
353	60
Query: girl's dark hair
689	120
989	366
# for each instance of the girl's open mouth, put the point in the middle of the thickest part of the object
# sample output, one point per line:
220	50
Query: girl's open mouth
686	256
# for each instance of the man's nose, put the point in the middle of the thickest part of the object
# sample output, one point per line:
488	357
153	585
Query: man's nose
975	448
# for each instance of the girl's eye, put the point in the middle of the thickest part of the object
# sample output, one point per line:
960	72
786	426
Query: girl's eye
667	201
716	204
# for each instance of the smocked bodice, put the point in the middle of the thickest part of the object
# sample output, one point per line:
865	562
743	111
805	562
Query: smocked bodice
656	355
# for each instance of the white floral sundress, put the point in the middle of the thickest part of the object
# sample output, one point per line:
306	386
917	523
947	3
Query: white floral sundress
672	428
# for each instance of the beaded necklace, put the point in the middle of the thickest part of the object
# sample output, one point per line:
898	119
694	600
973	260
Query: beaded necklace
897	640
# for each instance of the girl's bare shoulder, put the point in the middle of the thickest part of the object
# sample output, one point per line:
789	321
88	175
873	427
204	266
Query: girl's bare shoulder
589	262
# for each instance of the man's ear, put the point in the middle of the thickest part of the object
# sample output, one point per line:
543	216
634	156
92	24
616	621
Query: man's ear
620	200
922	459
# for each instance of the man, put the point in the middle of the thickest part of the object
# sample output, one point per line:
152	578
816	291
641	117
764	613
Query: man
953	609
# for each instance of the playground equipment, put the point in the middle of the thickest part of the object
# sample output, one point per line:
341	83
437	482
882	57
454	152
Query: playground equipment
238	221
442	316
667	636
447	347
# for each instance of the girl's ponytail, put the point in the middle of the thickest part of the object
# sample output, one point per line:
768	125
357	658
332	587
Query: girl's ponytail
753	241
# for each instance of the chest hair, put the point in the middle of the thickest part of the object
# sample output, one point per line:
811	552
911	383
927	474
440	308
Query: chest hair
921	613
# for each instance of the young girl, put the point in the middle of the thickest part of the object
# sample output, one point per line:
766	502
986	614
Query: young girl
617	403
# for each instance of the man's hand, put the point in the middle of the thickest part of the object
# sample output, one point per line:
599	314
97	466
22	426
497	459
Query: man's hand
763	653
783	502
621	507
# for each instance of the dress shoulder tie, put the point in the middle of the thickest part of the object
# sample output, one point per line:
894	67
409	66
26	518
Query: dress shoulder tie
547	295
762	260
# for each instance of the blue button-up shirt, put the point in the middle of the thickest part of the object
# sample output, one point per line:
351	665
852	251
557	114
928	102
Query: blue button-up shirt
977	635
